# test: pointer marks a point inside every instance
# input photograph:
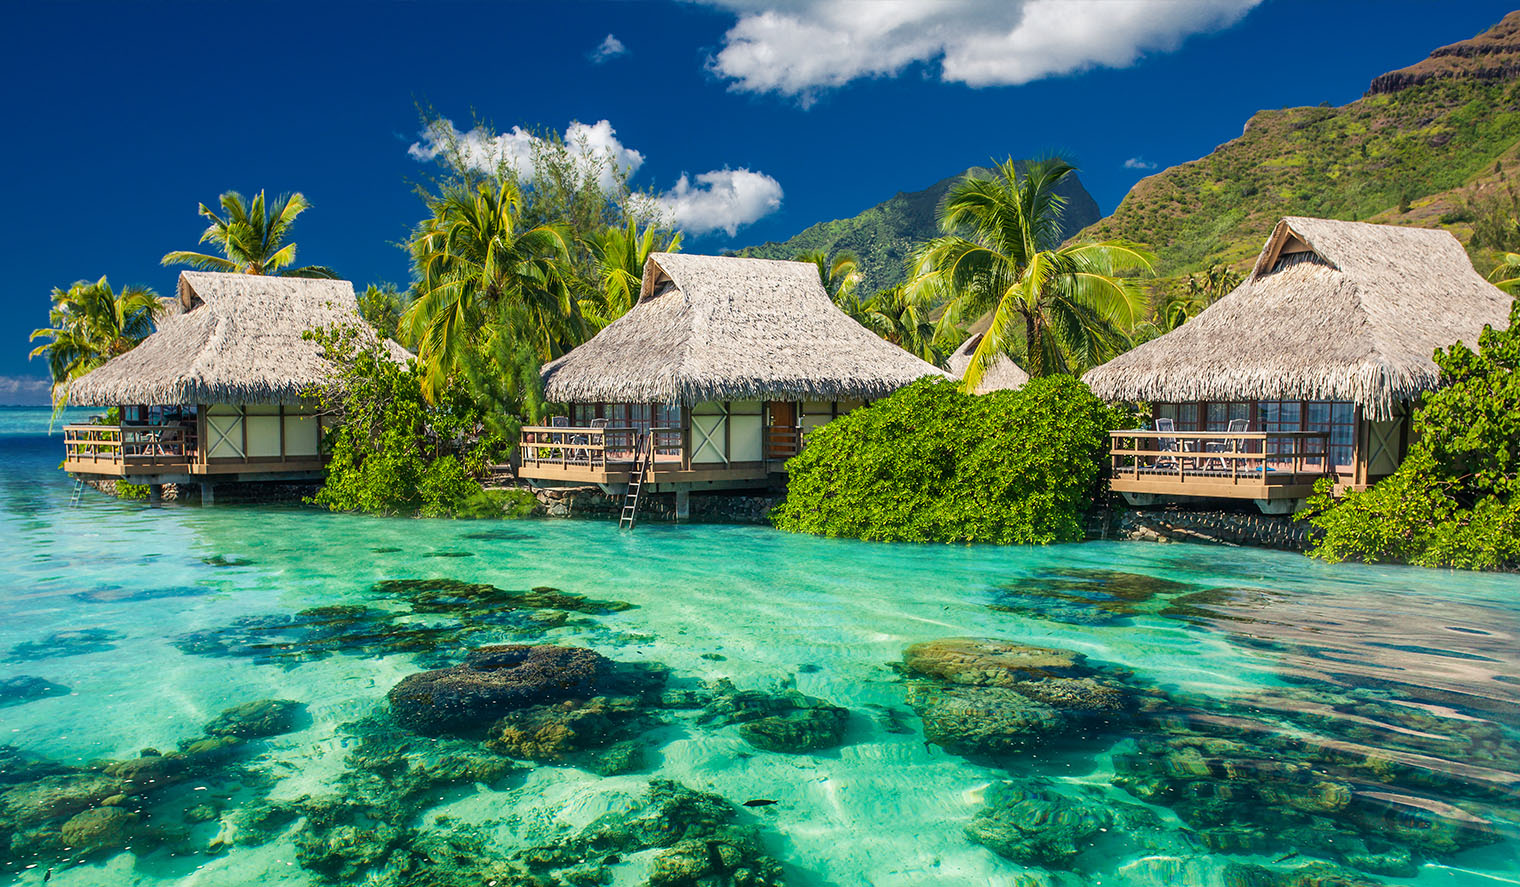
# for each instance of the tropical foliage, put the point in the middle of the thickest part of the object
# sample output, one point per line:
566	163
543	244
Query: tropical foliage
252	237
931	463
904	317
1455	500
884	237
381	306
1506	275
89	324
620	254
1054	309
484	273
395	452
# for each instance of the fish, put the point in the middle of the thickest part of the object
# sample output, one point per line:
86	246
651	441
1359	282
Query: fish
1286	856
612	859
759	802
47	876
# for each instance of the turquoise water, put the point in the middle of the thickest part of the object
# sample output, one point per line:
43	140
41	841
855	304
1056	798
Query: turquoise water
1281	716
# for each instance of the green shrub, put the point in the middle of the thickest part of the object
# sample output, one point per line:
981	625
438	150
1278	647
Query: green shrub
391	451
932	464
125	490
1453	501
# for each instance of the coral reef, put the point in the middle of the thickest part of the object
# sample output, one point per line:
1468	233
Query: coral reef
787	721
1034	825
65	643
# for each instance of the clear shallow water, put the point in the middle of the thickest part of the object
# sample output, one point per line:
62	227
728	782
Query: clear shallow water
1278	723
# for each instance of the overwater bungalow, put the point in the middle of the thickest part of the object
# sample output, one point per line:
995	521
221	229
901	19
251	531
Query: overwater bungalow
221	390
711	381
1307	370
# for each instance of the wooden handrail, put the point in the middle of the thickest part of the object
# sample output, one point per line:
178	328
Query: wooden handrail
1245	455
136	445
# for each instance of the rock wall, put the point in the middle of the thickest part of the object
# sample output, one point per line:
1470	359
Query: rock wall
1174	524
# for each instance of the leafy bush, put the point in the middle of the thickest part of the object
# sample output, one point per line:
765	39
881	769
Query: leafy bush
932	464
391	451
1453	502
126	490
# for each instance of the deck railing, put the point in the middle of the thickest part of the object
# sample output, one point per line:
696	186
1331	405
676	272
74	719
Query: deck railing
137	446
595	448
782	441
1233	456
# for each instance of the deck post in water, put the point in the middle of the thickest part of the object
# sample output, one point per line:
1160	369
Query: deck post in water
155	494
683	504
208	493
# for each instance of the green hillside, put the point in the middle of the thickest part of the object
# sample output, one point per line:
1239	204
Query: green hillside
1430	144
884	236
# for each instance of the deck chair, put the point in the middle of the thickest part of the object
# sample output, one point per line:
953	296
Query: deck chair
1236	426
171	442
1166	445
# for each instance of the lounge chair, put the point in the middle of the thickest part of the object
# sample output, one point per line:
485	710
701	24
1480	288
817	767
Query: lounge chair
1236	426
1166	445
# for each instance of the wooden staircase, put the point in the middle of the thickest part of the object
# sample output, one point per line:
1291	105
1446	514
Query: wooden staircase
643	462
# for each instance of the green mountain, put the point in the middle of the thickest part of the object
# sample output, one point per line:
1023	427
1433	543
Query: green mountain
884	236
1432	144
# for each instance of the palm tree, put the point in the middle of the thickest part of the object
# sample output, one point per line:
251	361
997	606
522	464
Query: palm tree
251	237
482	273
620	254
1054	308
840	278
898	315
91	324
1506	274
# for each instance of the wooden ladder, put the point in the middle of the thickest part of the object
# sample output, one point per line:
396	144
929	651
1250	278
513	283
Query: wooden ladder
643	460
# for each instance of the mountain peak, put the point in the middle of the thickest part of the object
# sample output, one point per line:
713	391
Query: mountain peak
1492	55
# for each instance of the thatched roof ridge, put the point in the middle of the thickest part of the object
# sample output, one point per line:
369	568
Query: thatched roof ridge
230	338
711	328
1332	310
1002	375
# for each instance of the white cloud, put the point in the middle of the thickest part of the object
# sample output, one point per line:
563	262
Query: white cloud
595	145
718	200
25	391
799	47
1138	163
721	200
610	48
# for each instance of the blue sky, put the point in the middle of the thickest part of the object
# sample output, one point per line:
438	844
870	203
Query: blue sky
779	113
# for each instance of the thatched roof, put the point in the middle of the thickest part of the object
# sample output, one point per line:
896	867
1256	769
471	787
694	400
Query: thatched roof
1331	311
229	338
1002	375
708	328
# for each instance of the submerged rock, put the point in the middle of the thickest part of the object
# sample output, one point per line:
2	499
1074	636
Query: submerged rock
555	732
1036	826
264	717
25	688
985	662
493	681
700	844
788	721
984	720
99	829
992	697
65	643
1082	596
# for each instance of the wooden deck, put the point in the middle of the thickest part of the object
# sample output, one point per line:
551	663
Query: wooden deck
1219	464
167	453
604	455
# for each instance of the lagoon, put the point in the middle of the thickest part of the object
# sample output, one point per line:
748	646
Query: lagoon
1281	716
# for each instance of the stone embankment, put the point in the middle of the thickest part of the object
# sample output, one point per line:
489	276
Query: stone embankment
712	508
1215	527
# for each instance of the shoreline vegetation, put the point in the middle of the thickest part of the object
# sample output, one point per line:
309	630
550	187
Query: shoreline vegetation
511	271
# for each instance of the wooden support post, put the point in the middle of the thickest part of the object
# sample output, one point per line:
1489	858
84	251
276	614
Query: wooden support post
208	493
155	494
683	503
